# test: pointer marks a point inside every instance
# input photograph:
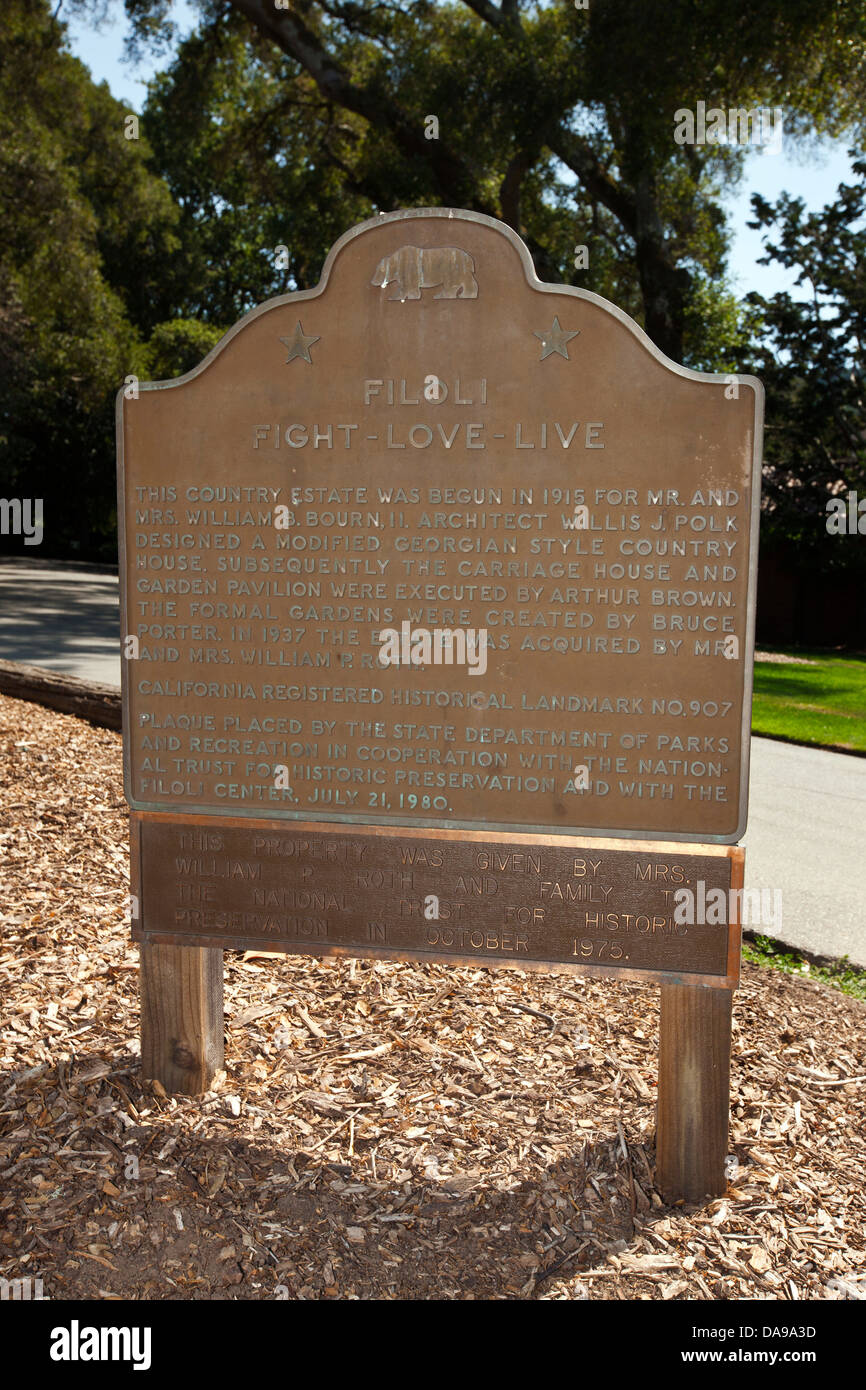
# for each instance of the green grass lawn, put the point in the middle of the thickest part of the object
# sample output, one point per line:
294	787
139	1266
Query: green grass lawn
824	703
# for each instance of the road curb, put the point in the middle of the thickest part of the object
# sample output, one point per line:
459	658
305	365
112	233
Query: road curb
801	743
100	704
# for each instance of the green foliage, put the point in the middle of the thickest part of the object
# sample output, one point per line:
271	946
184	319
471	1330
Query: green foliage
813	363
64	337
250	172
558	120
720	329
177	346
841	974
86	244
280	129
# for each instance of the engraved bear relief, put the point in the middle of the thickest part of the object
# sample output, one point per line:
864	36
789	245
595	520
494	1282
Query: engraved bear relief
414	268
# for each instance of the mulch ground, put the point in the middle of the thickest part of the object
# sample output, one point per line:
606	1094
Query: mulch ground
381	1131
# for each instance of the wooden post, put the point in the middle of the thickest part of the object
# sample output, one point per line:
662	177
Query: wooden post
693	1092
181	1016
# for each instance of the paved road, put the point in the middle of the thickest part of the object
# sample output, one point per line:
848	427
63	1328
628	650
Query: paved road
807	836
807	821
62	617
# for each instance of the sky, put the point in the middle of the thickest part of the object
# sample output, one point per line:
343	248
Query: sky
813	176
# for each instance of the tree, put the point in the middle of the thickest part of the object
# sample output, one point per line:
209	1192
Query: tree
813	363
557	119
275	128
86	235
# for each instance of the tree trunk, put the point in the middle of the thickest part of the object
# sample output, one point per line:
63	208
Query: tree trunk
664	286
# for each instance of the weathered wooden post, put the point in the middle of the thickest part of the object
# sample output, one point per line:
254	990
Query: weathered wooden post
181	1016
693	1092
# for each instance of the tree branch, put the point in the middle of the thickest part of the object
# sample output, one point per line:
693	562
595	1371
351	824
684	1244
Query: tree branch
504	16
509	191
599	185
456	181
490	13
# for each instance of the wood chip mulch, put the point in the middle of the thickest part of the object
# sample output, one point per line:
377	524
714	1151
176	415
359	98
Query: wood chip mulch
381	1131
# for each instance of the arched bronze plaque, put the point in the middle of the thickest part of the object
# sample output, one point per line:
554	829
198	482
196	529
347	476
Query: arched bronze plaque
435	544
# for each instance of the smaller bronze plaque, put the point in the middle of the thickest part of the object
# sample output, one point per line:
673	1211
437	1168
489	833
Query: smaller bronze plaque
602	907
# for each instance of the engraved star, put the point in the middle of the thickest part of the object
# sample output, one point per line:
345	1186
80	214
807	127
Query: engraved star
555	339
300	344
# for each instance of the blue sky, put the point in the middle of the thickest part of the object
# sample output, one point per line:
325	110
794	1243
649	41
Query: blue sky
814	176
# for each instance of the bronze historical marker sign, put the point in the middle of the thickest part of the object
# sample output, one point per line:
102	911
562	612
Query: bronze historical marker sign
438	591
437	545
